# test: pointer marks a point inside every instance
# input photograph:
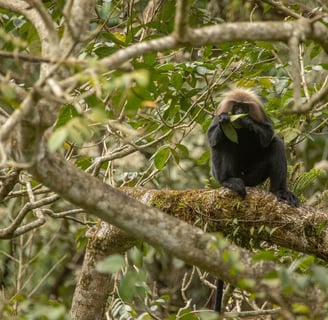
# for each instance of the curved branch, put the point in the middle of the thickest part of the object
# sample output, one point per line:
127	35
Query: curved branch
211	208
77	16
160	229
237	31
293	228
314	100
40	20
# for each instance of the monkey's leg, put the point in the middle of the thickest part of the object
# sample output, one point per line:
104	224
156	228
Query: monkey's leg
278	173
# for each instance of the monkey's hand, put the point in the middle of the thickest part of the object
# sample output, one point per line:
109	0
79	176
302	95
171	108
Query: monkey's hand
246	122
235	184
224	117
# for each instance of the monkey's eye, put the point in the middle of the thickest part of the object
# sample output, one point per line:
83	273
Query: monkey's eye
240	108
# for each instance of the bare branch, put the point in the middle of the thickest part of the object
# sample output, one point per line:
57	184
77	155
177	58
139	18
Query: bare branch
8	183
249	31
314	100
26	107
278	5
181	30
77	16
294	43
14	229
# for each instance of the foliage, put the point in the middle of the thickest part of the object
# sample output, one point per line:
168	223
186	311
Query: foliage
147	127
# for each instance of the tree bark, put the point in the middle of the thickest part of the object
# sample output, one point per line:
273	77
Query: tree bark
179	238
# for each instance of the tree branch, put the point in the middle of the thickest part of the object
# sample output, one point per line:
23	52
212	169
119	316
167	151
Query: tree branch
157	228
314	100
181	30
211	208
77	16
238	31
294	43
42	23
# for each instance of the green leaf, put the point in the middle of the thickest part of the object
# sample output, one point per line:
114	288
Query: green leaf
166	67
235	117
267	255
66	113
321	227
111	264
57	139
208	315
104	51
183	149
321	275
132	284
204	158
8	92
177	80
315	51
299	308
290	134
229	131
161	157
265	82
75	134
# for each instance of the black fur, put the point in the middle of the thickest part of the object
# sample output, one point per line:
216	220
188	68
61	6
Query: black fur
258	155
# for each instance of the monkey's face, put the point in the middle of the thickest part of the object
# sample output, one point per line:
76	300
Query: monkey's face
240	108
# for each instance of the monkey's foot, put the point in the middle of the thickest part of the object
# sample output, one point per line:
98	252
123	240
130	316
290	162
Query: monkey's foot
288	196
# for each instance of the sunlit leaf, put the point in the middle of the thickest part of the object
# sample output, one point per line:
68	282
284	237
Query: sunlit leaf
267	255
161	157
57	139
8	92
204	158
166	67
300	308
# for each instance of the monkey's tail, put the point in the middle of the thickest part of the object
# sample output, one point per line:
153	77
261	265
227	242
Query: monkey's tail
219	295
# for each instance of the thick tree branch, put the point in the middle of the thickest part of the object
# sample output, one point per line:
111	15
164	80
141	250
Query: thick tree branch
77	16
40	20
88	301
293	228
238	31
181	28
158	228
214	209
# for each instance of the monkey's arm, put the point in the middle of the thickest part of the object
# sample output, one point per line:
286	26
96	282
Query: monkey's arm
264	130
214	133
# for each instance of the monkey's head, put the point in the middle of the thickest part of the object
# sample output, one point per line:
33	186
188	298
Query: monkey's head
240	108
239	101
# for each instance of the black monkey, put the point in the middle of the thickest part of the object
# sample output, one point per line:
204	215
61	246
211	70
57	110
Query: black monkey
256	156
